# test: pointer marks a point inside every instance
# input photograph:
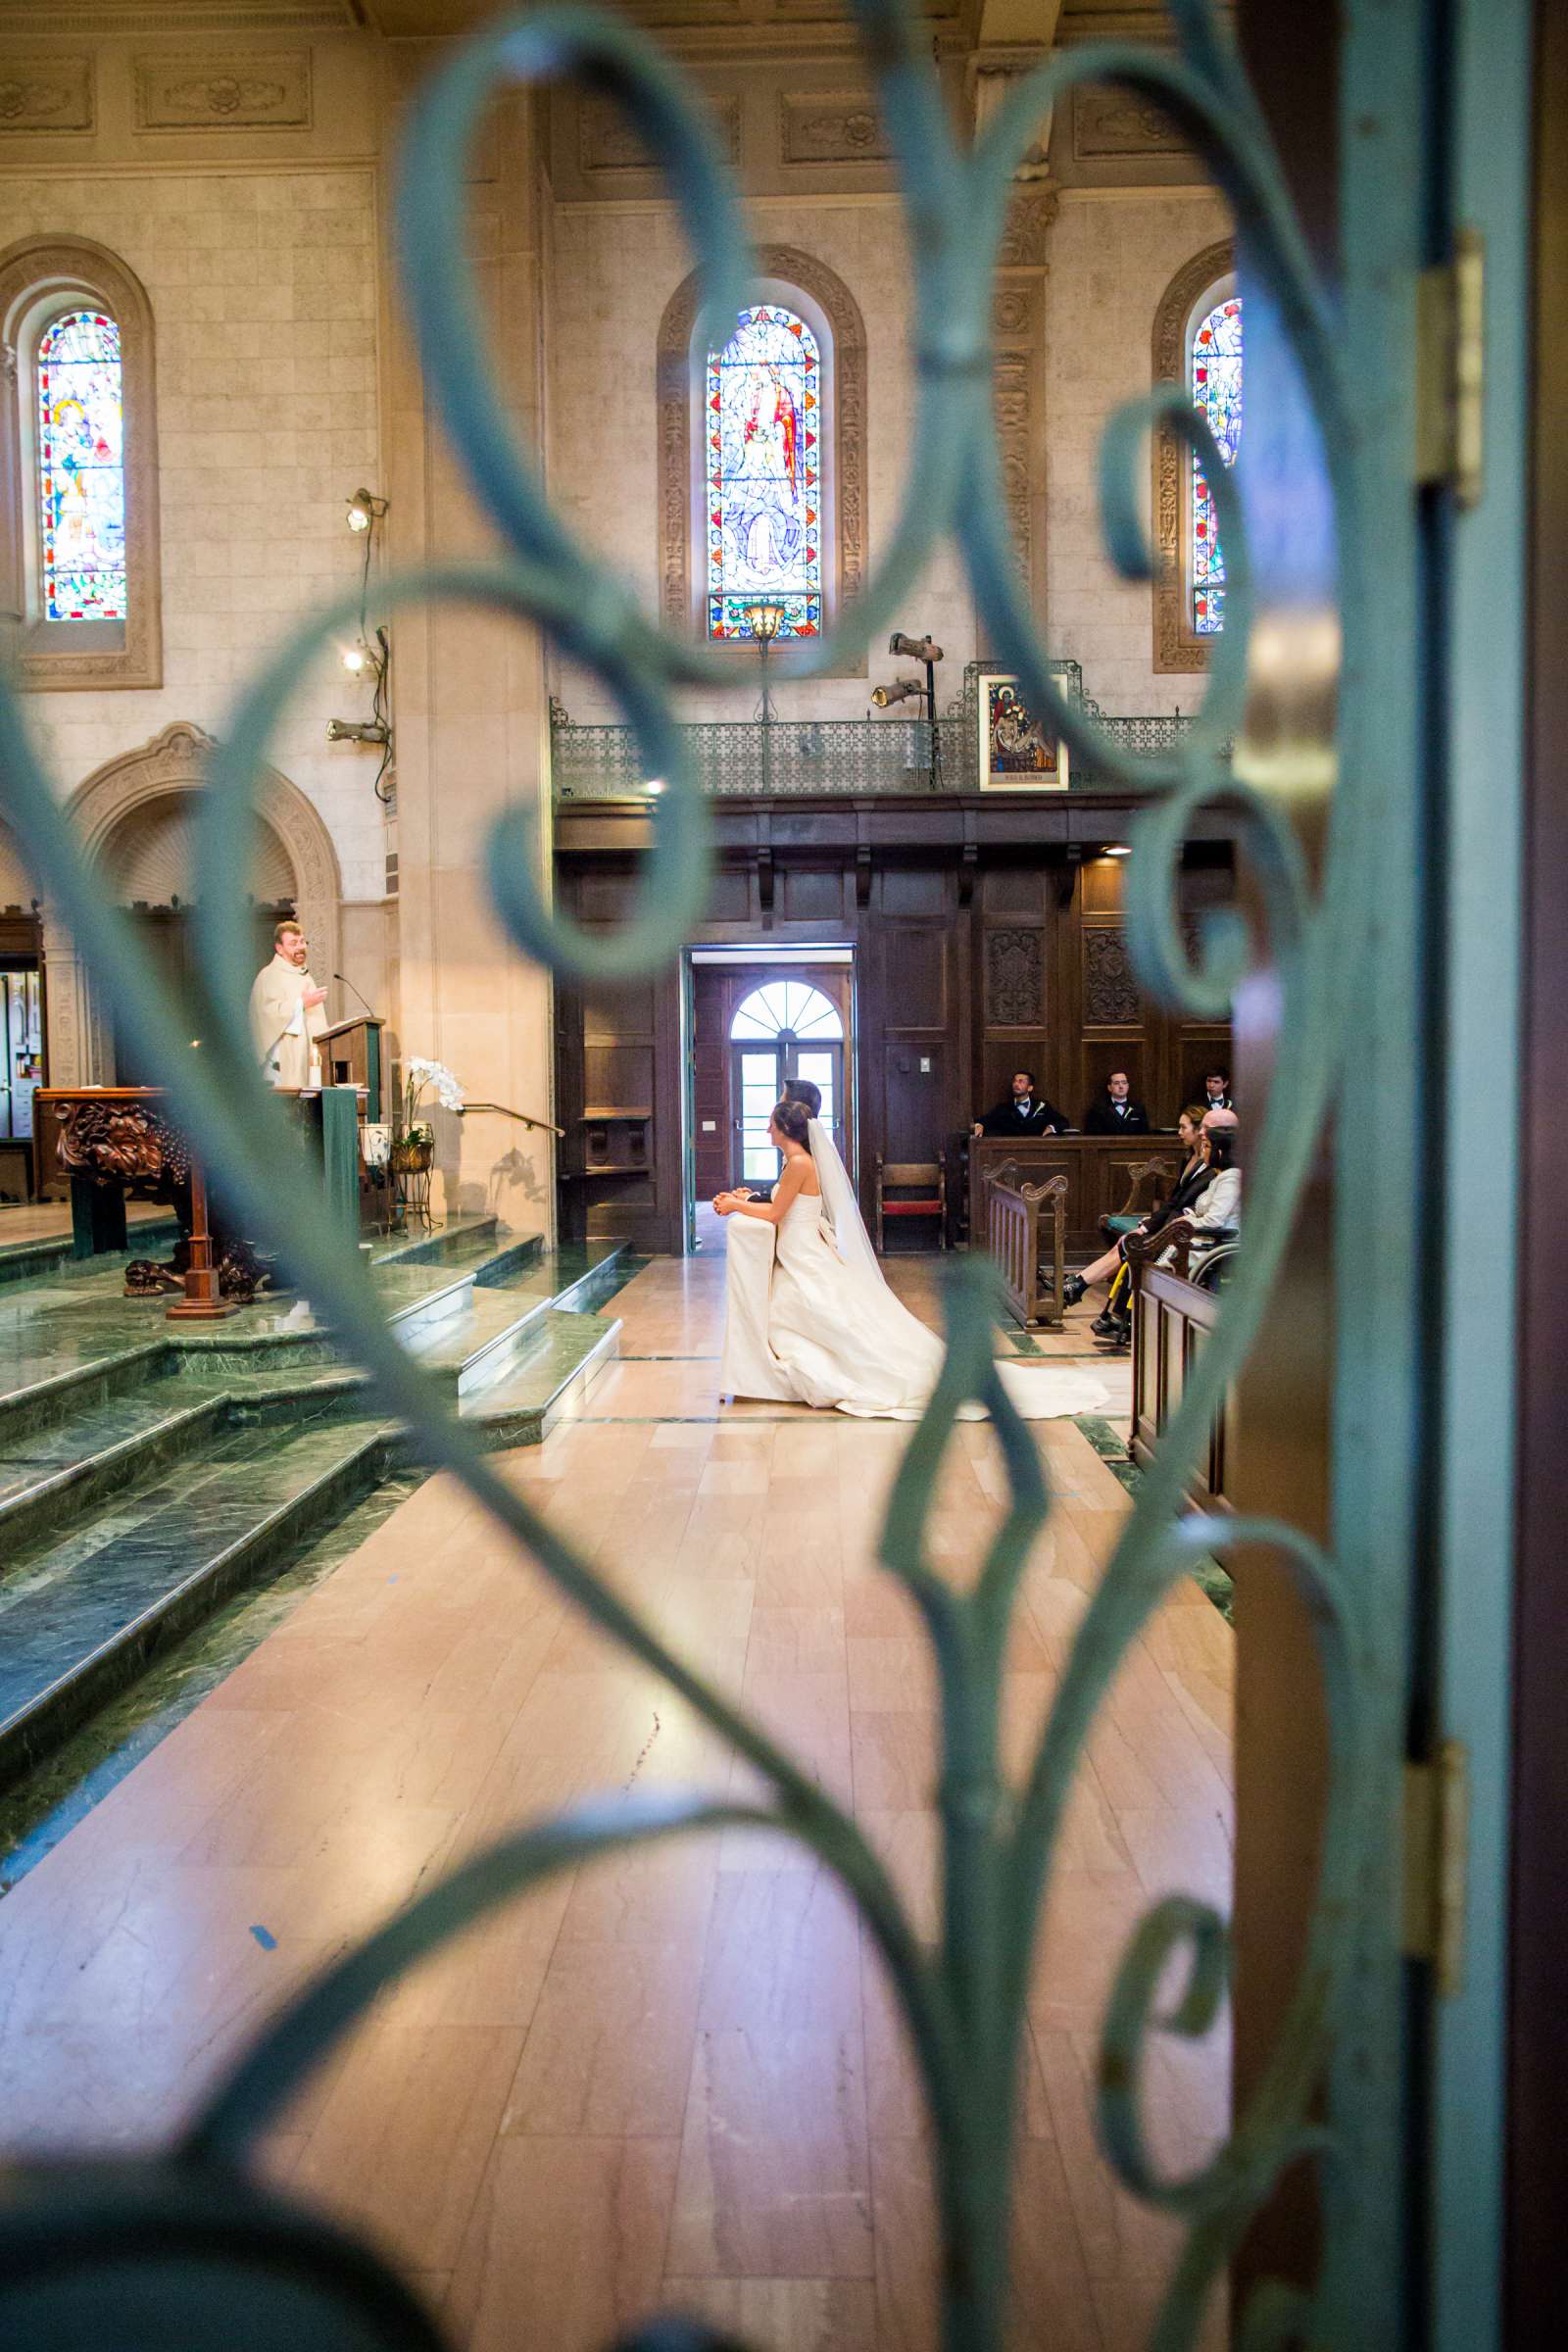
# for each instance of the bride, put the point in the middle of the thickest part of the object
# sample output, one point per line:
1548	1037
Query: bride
810	1320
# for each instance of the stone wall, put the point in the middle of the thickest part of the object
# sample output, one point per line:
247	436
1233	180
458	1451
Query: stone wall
262	285
1108	257
1112	253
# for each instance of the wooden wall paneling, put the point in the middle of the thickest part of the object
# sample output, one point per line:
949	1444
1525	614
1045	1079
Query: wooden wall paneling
710	1087
916	949
1014	983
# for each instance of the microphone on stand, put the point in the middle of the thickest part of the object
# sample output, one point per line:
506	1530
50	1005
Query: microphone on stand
348	982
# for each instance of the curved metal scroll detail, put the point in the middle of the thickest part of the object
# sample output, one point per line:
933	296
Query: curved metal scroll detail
963	1999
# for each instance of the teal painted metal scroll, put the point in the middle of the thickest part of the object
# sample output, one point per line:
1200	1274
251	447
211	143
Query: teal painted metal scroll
964	1997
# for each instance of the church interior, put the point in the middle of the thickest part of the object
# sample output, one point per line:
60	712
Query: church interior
1034	1819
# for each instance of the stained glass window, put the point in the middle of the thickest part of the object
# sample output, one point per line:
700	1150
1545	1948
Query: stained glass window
81	481
763	415
1216	388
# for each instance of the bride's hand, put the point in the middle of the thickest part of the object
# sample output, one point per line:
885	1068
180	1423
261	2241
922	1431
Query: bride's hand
723	1203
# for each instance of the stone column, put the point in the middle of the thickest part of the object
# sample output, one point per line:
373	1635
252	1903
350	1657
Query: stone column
470	724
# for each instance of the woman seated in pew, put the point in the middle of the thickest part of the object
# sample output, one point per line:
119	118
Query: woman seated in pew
1210	1202
1182	1193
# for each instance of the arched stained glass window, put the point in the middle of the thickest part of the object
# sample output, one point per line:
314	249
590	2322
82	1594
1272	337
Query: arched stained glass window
1215	374
80	462
783	1008
764	419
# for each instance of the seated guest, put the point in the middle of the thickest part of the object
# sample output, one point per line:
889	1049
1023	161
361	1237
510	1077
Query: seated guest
1025	1111
1114	1113
1201	1133
1217	1209
1217	1091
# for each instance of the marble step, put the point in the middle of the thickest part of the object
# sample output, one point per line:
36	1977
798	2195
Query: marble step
553	1381
54	1254
80	1616
53	1473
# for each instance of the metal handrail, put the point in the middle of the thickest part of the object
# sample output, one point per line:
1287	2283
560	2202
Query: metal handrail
503	1110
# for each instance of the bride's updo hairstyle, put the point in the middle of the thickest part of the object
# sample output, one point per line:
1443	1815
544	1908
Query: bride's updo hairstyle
794	1120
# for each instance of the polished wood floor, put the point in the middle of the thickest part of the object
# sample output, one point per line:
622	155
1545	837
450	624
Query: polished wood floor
671	2080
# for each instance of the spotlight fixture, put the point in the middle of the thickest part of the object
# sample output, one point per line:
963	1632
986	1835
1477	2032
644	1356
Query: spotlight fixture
348	730
914	649
902	690
654	787
1119	849
364	509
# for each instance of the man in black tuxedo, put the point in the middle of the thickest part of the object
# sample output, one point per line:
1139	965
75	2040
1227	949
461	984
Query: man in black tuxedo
1024	1112
809	1094
1115	1112
1217	1091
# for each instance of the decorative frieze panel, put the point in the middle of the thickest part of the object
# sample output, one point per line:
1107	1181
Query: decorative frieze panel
1027	228
818	127
1106	124
608	141
1111	999
268	90
45	94
1014	990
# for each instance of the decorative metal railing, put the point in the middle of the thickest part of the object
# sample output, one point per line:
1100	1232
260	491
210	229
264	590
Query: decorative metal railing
797	757
66	2235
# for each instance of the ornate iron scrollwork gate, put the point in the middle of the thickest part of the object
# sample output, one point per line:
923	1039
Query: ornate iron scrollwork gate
180	2247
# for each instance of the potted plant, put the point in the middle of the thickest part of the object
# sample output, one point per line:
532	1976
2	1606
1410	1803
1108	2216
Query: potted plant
413	1144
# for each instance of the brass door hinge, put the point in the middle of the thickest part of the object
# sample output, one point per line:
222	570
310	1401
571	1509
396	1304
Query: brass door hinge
1437	1852
1450	370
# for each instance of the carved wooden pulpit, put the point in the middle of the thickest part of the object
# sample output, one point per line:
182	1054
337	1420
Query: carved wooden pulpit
115	1143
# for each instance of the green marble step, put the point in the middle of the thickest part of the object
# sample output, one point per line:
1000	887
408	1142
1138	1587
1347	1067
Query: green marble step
568	1353
452	1237
55	1254
59	1469
80	1616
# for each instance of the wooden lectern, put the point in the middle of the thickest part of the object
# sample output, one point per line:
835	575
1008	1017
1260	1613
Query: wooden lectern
350	1055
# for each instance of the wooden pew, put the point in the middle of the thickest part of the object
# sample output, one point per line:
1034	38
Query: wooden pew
1032	1268
1103	1172
1171	1320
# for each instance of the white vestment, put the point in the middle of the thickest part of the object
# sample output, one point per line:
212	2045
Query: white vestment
283	1028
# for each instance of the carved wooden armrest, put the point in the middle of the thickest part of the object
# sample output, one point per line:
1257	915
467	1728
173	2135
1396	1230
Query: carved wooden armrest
1141	1249
1055	1187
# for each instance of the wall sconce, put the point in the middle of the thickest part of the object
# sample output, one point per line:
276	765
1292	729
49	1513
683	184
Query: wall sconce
365	509
765	622
902	690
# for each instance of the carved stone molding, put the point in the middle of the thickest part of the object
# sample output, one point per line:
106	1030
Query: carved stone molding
131	654
1015	310
678	560
252	91
1014	979
1026	230
45	94
1108	124
609	141
819	126
1112	998
174	762
1178	648
1012	382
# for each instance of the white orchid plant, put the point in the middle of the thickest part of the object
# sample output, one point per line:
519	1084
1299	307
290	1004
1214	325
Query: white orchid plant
421	1077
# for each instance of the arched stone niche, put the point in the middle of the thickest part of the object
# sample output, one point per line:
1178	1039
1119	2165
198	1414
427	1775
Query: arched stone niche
120	792
784	270
1178	648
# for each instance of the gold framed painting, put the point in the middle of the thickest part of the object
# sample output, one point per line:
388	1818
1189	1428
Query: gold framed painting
1017	752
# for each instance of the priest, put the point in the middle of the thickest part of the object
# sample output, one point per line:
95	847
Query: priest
286	1012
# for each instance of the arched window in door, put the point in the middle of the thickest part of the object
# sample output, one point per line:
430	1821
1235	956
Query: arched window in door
785	1029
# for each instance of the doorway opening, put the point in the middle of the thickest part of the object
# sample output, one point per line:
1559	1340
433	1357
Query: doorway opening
757	1019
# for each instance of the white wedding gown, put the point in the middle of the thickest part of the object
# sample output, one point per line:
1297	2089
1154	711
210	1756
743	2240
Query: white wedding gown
807	1325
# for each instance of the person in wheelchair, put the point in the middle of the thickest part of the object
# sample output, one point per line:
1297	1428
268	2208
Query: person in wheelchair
1210	1201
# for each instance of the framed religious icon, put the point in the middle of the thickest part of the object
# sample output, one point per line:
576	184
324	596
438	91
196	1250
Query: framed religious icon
1017	752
